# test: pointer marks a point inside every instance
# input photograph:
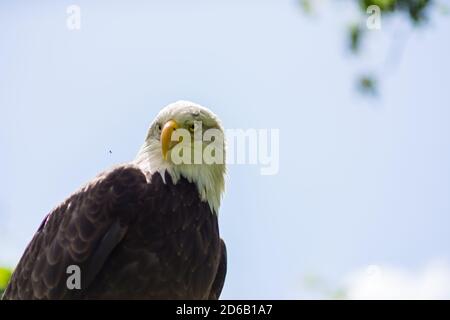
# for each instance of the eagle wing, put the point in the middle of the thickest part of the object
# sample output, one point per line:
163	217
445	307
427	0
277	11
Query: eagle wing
219	281
82	232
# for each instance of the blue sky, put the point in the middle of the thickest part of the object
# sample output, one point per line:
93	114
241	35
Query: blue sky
361	181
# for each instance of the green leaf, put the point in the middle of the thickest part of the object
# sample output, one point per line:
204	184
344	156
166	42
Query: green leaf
5	275
355	33
384	5
367	84
306	6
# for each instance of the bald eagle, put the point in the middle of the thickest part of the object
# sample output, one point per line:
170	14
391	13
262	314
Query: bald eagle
144	230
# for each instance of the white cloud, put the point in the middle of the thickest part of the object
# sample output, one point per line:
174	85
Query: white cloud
389	282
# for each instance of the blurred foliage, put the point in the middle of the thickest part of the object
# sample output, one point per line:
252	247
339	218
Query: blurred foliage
306	5
416	11
367	84
5	275
313	283
355	33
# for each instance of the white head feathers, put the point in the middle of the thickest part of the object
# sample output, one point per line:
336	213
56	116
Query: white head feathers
209	178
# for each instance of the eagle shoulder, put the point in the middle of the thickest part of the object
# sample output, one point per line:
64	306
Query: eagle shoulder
81	231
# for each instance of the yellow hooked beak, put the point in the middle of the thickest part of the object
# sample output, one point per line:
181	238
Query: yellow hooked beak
166	137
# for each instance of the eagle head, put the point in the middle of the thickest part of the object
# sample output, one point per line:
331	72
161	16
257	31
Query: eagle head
187	140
